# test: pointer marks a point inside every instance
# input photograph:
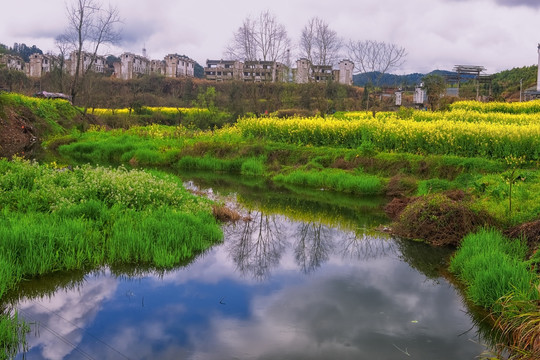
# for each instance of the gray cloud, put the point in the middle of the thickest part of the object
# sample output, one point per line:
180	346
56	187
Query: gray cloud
530	3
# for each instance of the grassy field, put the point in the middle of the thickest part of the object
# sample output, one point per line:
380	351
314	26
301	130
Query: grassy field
58	219
488	152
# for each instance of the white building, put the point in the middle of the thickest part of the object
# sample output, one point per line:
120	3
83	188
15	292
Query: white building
39	65
132	66
179	66
346	68
12	62
223	70
97	63
538	77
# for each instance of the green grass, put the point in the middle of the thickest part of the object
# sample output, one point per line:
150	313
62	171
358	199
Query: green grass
334	179
253	167
65	219
210	164
52	116
493	266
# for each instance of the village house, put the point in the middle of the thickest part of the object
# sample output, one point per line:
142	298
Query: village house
131	66
179	66
264	71
223	70
272	71
98	64
344	74
12	62
307	72
39	65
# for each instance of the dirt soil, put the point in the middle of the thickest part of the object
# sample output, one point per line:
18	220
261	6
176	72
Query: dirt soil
529	231
17	134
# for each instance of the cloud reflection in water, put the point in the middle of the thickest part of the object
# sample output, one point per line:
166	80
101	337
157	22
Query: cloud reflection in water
276	289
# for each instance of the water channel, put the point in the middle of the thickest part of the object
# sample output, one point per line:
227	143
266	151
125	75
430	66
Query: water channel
305	278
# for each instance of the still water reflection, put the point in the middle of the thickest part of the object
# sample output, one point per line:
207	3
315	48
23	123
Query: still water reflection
277	288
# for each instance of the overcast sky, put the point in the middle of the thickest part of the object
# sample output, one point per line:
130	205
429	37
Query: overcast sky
437	34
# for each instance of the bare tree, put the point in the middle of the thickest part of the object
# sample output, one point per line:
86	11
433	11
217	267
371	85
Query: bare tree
90	26
243	46
260	39
376	56
272	38
320	44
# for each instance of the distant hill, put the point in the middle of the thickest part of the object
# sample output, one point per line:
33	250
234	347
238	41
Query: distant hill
391	80
21	50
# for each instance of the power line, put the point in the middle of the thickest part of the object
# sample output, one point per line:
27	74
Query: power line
78	327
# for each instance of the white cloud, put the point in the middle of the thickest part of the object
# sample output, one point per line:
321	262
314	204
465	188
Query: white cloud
498	34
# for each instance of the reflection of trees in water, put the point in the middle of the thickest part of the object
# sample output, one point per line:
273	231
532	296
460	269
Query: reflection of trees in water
312	246
364	246
256	246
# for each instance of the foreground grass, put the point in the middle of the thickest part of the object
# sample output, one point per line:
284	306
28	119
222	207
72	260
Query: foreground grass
82	218
499	278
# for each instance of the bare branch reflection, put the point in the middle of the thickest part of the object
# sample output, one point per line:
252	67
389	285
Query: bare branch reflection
313	245
256	246
365	246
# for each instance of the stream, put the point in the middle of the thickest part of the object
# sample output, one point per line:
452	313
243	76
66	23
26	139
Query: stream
306	277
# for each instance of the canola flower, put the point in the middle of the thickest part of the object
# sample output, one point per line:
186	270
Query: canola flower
528	107
389	133
147	110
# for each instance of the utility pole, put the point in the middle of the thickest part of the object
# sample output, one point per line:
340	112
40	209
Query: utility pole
520	88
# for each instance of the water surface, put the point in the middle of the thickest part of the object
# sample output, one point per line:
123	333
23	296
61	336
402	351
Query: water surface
306	278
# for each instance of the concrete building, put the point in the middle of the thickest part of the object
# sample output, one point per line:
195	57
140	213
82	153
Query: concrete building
223	70
345	75
12	62
264	71
538	76
307	72
179	66
98	63
534	92
39	65
420	96
303	71
158	67
132	66
322	73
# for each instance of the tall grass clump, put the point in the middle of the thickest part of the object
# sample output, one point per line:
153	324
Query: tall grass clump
493	266
57	219
153	237
498	277
209	163
252	167
334	179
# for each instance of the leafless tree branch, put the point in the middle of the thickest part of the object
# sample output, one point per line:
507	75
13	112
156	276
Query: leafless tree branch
376	56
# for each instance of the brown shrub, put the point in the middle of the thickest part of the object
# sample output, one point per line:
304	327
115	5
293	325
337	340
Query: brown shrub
438	220
400	186
341	163
530	231
225	214
394	208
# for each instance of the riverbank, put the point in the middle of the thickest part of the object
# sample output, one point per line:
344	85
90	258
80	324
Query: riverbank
440	185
